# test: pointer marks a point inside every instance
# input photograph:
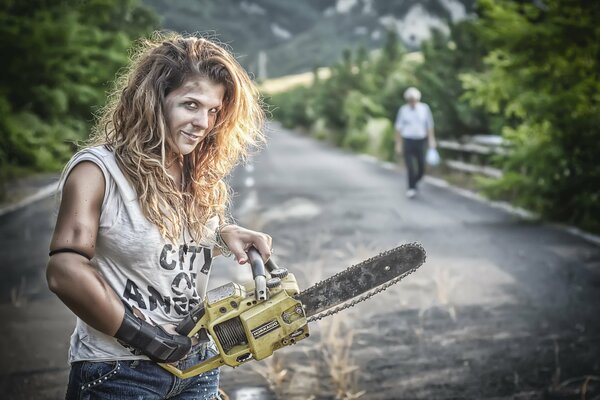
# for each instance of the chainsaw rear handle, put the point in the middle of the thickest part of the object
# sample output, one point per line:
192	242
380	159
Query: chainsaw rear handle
258	273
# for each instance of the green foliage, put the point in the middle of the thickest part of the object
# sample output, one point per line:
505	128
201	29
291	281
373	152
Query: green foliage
445	59
359	90
289	108
541	76
359	110
59	58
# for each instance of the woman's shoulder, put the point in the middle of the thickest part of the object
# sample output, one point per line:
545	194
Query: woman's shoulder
102	151
101	155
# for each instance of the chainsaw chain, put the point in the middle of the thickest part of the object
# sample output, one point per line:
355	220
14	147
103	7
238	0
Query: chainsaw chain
371	293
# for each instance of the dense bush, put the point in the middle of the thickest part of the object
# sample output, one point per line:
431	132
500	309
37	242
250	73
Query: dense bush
542	77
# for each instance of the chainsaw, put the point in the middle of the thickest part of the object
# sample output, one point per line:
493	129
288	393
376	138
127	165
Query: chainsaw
250	322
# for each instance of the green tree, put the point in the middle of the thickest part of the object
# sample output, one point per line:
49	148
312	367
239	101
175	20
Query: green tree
445	58
542	76
390	57
386	76
59	58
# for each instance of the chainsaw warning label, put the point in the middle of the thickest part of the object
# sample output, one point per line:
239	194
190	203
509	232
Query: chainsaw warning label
265	328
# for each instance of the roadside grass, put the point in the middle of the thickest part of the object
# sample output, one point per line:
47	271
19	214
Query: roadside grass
336	349
275	372
455	178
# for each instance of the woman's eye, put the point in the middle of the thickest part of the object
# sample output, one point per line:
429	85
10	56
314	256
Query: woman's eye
191	105
214	110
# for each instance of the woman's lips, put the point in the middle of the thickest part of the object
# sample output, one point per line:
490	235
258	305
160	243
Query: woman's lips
191	136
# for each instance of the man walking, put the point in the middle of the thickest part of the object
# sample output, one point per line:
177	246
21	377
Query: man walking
414	128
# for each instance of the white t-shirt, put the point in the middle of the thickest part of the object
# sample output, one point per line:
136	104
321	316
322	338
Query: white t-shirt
414	122
157	277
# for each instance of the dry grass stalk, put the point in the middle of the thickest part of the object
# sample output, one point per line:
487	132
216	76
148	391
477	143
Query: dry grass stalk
443	284
223	395
274	371
578	385
336	348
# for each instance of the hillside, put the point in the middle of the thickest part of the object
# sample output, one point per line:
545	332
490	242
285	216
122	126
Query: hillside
280	37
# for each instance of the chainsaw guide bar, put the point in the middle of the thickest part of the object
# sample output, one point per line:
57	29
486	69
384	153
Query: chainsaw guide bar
361	281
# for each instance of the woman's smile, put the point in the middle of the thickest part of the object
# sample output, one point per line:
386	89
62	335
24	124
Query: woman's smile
191	136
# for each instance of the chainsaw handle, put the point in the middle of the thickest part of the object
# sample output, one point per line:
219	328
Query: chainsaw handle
270	264
258	273
256	262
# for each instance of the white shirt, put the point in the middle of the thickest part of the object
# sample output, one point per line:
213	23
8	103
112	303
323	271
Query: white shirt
160	278
414	122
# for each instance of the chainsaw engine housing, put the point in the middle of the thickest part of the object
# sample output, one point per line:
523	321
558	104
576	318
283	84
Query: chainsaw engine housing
244	328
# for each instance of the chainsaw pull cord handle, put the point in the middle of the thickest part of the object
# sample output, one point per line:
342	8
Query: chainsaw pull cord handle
258	273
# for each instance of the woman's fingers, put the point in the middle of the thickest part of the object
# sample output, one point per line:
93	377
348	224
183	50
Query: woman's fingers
264	245
239	240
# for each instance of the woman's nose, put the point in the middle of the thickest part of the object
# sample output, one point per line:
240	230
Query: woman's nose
200	120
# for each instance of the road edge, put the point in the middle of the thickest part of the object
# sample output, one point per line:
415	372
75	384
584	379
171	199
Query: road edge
501	205
42	193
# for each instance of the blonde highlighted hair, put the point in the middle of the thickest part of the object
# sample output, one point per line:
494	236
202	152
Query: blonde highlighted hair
134	126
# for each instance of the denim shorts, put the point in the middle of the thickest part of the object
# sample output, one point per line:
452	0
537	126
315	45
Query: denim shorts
142	379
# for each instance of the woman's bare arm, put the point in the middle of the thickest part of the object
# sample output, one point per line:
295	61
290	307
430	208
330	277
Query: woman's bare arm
70	276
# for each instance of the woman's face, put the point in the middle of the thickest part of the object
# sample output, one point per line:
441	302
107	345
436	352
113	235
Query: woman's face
191	111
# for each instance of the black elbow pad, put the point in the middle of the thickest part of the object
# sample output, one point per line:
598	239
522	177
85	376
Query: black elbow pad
152	340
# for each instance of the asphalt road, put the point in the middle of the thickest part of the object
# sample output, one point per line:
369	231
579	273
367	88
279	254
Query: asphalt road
503	308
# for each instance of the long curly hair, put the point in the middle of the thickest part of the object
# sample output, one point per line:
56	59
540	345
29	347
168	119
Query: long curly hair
133	125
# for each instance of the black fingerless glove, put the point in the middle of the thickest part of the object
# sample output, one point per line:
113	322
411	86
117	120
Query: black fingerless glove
152	340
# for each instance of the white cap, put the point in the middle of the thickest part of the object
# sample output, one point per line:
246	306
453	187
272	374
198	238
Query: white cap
412	93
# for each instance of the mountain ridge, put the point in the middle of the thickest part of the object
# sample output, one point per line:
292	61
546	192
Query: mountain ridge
279	37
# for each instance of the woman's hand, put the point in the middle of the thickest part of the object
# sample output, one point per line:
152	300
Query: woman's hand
239	240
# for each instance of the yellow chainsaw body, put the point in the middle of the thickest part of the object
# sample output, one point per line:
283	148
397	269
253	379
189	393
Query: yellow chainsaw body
244	328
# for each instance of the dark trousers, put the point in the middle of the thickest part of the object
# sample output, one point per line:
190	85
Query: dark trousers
414	158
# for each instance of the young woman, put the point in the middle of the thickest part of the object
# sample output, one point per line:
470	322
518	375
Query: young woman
142	213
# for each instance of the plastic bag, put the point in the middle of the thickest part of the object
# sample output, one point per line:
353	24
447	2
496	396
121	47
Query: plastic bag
432	157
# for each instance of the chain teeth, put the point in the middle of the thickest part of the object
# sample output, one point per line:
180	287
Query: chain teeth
371	293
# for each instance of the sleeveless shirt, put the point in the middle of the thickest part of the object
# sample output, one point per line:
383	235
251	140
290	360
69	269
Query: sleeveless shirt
163	280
